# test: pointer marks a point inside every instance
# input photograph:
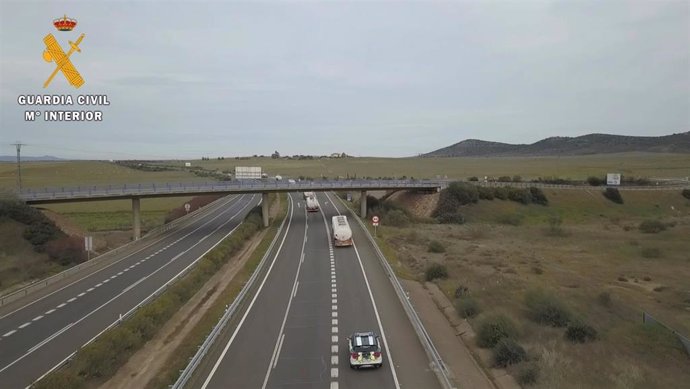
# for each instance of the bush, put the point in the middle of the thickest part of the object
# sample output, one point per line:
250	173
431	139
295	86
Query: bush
652	226
580	332
461	291
463	192
614	195
545	308
473	178
397	218
595	181
528	374
485	193
493	329
436	247
508	352
538	196
503	179
686	193
436	271
451	218
519	195
501	193
467	307
604	298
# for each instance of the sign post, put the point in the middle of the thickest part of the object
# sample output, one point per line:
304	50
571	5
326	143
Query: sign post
187	207
375	223
88	246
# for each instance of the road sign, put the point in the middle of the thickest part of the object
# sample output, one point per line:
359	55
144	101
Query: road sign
187	207
375	221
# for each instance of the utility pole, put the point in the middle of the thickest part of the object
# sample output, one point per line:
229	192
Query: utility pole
19	164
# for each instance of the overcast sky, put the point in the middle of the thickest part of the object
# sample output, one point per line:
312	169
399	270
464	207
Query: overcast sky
386	78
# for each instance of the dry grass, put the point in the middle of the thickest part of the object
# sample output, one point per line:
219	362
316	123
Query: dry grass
498	266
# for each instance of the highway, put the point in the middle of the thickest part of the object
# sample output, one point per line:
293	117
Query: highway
293	332
41	334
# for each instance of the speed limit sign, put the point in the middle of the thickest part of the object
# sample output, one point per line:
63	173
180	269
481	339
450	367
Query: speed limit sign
375	220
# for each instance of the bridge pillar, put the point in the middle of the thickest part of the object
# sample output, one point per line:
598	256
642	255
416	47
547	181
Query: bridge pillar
264	208
136	217
363	205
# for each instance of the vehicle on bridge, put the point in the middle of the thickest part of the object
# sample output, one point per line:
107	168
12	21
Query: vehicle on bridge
312	204
342	234
365	350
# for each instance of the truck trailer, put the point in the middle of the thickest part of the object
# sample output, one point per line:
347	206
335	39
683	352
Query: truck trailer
312	204
342	234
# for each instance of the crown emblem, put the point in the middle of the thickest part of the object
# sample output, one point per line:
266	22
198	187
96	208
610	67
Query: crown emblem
65	23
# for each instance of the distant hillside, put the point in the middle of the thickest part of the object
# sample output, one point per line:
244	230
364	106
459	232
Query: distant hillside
13	158
581	145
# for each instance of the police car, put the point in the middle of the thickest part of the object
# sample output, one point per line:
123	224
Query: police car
365	350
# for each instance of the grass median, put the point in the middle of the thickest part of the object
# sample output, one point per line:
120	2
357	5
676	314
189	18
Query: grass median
100	360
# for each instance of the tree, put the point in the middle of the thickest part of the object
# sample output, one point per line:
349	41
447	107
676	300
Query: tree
275	155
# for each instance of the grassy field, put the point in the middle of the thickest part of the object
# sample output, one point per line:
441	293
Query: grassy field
597	263
579	167
73	173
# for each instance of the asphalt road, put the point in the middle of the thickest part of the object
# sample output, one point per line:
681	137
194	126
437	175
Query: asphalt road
41	334
293	332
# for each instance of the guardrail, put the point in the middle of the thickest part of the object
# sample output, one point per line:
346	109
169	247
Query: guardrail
229	313
145	301
433	354
40	284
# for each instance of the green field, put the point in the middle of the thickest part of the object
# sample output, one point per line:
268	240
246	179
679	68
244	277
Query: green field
579	167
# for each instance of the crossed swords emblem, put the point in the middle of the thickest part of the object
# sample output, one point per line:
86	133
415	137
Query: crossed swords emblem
54	53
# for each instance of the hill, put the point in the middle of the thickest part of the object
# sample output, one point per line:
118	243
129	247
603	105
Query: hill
13	158
557	146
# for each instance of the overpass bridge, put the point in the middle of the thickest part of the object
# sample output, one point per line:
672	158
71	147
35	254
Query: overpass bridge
135	192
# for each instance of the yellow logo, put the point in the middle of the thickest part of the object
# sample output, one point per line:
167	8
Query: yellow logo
54	53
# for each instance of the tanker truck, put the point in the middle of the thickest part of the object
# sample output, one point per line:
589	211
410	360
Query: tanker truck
312	204
342	234
308	195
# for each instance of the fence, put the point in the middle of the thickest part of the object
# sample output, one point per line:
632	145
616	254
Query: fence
649	319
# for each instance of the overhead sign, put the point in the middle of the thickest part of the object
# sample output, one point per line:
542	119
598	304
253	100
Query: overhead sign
613	179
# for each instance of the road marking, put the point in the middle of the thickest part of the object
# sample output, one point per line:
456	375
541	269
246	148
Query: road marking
334	322
61	305
39	317
334	295
90	289
334	359
72	299
334	348
126	269
119	274
48	339
334	314
333	285
333	290
282	338
99	284
50	311
256	295
334	307
334	330
294	291
113	276
106	281
9	333
24	325
81	294
334	339
334	372
376	311
334	384
287	309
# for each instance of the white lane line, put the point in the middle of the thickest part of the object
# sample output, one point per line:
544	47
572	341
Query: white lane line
24	325
113	276
334	322
50	311
334	348
126	269
334	330
376	311
334	339
72	299
61	305
81	294
98	284
334	314
334	372
287	309
334	295
294	291
334	384
256	295
280	347
90	289
106	281
9	333
48	339
334	307
334	359
39	317
334	301
334	290
119	274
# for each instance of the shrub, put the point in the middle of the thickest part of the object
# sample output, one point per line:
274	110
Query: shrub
501	193
508	352
436	271
467	307
503	179
485	193
461	291
397	218
595	181
493	329
451	218
528	374
473	178
545	308
614	195
436	247
519	195
517	179
463	192
538	196
447	204
580	332
686	193
652	226
604	298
